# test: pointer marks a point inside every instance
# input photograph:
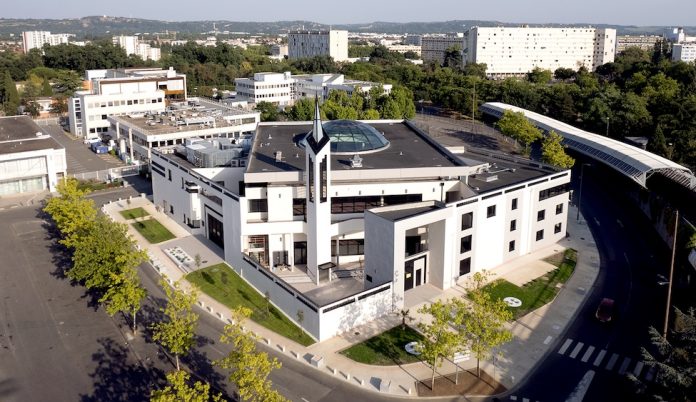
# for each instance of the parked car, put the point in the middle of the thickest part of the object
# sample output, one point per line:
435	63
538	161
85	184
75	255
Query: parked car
605	311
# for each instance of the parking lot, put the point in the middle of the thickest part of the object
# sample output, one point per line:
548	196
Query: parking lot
79	157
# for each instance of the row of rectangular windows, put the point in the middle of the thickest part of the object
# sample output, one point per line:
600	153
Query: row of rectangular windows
468	218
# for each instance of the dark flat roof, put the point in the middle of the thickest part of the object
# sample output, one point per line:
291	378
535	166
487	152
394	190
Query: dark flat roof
18	134
408	148
508	172
398	213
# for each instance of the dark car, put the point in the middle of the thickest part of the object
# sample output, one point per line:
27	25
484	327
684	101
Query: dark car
605	311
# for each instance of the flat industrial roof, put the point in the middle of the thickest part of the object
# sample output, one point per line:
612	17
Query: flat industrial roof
18	134
408	148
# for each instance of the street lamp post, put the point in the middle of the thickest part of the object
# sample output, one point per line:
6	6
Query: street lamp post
671	273
607	126
582	173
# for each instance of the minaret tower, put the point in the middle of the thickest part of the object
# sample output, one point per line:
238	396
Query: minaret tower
318	183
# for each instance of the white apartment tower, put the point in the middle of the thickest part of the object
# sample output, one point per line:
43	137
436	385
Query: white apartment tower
133	45
36	39
514	51
318	43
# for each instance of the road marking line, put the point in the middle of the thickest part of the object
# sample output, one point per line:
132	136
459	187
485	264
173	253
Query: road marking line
597	222
620	223
565	346
577	349
638	369
624	365
548	340
599	358
612	361
650	375
525	399
587	355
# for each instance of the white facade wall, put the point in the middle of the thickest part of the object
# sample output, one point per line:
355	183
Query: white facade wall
334	43
89	113
276	88
685	52
509	51
31	171
133	45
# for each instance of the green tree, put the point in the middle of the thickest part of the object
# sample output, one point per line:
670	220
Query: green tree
67	82
539	76
475	70
484	326
177	333
103	254
674	359
563	73
269	111
180	388
10	96
440	340
249	367
125	294
302	110
47	89
70	211
369	114
516	125
553	152
453	57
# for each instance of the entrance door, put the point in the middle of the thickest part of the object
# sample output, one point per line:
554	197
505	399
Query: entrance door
414	273
300	252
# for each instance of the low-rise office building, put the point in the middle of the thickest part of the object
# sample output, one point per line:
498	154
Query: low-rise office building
135	135
122	92
347	221
643	42
685	52
334	43
515	51
30	160
283	89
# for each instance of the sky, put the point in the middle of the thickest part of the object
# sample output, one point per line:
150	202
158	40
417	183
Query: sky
614	12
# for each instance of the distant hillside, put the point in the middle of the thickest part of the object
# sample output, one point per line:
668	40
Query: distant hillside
101	26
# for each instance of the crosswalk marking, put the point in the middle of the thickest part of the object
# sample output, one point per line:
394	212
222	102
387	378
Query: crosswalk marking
638	369
565	346
612	361
577	350
624	365
525	399
513	397
599	358
587	355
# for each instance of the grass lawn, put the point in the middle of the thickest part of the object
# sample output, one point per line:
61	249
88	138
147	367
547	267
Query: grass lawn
224	285
540	291
134	213
153	231
385	349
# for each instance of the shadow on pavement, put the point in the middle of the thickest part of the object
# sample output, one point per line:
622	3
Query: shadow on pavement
118	378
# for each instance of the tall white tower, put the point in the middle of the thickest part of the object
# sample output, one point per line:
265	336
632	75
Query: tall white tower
317	181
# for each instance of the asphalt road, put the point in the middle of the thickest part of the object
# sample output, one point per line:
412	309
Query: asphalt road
56	343
630	256
79	158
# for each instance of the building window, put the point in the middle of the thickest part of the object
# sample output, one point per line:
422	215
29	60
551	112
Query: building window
465	266
490	211
465	244
258	205
540	235
513	225
553	191
467	221
170	174
559	209
541	215
348	247
514	204
323	183
299	207
557	228
171	209
511	245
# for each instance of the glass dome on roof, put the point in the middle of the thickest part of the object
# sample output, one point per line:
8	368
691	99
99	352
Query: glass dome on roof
353	137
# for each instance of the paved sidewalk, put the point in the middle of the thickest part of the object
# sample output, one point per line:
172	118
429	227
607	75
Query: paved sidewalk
534	334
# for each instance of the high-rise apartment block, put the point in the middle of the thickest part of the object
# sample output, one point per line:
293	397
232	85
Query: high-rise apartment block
318	43
36	39
433	48
133	45
514	51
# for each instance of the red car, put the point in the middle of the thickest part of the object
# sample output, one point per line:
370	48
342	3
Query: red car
605	311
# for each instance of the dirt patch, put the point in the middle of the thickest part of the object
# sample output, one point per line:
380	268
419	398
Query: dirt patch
555	259
468	384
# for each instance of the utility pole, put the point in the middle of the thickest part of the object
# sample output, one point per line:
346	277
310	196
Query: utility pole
473	109
671	273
